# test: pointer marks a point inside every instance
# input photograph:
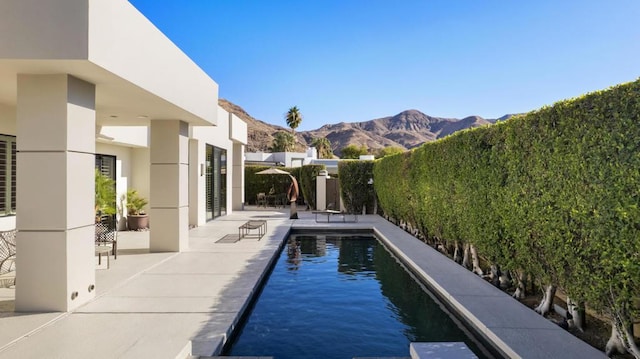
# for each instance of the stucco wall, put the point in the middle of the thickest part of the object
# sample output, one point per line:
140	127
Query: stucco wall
217	136
53	30
7	120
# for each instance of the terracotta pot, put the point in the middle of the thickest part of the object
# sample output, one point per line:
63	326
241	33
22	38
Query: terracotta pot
136	222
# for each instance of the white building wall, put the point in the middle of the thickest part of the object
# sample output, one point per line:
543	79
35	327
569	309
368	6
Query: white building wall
217	136
288	159
7	120
196	181
259	157
130	136
141	173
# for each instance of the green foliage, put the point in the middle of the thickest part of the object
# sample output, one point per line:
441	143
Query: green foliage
293	118
355	188
283	142
554	193
392	187
135	203
254	183
307	181
353	152
389	151
323	146
105	192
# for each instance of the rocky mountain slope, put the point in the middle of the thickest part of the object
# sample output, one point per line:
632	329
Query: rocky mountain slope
407	129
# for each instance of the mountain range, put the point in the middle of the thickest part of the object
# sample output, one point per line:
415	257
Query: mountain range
407	130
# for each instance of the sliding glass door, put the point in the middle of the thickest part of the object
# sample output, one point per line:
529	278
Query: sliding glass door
216	182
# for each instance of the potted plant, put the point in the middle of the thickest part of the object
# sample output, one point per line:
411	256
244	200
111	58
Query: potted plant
137	218
105	202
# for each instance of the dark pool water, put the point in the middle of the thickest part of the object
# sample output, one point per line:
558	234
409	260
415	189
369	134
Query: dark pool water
341	297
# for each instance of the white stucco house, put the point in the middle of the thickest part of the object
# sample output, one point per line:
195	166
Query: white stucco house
93	82
286	159
296	159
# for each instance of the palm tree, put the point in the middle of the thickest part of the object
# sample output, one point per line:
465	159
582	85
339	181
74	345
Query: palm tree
294	118
283	142
323	146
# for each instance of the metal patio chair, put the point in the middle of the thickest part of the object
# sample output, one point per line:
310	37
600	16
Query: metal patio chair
8	258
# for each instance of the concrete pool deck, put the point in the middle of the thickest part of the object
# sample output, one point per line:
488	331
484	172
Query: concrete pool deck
173	305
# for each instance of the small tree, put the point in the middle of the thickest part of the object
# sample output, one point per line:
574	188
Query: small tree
353	152
389	151
283	142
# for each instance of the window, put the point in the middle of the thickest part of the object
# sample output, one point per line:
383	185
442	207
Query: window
7	175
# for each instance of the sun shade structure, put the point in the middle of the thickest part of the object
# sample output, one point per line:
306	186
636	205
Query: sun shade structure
293	191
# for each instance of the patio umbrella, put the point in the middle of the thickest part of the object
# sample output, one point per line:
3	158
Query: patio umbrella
293	191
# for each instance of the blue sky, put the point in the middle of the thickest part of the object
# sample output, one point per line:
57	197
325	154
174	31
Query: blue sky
356	60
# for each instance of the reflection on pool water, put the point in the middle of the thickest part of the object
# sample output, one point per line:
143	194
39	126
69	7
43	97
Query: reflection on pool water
341	297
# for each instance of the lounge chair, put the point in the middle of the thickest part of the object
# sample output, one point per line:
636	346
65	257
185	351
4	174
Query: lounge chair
329	213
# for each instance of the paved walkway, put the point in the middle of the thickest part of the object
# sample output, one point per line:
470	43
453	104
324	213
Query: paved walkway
171	305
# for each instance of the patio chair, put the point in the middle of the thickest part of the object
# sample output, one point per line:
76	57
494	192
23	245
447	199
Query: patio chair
107	235
7	258
261	199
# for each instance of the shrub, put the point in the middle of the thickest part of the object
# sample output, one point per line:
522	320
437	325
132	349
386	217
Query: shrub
307	181
356	191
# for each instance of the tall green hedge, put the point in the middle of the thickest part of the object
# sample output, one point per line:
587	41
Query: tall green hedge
308	174
355	190
554	193
393	188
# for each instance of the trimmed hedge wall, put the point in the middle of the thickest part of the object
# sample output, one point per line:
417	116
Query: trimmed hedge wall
308	174
355	190
554	193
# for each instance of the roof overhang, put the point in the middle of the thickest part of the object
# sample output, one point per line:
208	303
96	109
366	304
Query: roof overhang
138	72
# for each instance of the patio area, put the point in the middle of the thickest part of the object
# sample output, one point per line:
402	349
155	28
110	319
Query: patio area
177	305
161	305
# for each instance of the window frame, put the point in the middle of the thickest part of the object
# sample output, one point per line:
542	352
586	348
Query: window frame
8	170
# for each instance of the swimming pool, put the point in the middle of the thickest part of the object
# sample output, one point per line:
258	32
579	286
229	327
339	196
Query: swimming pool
334	296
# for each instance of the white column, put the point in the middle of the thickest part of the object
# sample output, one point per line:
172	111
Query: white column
169	197
196	177
55	192
237	175
321	193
